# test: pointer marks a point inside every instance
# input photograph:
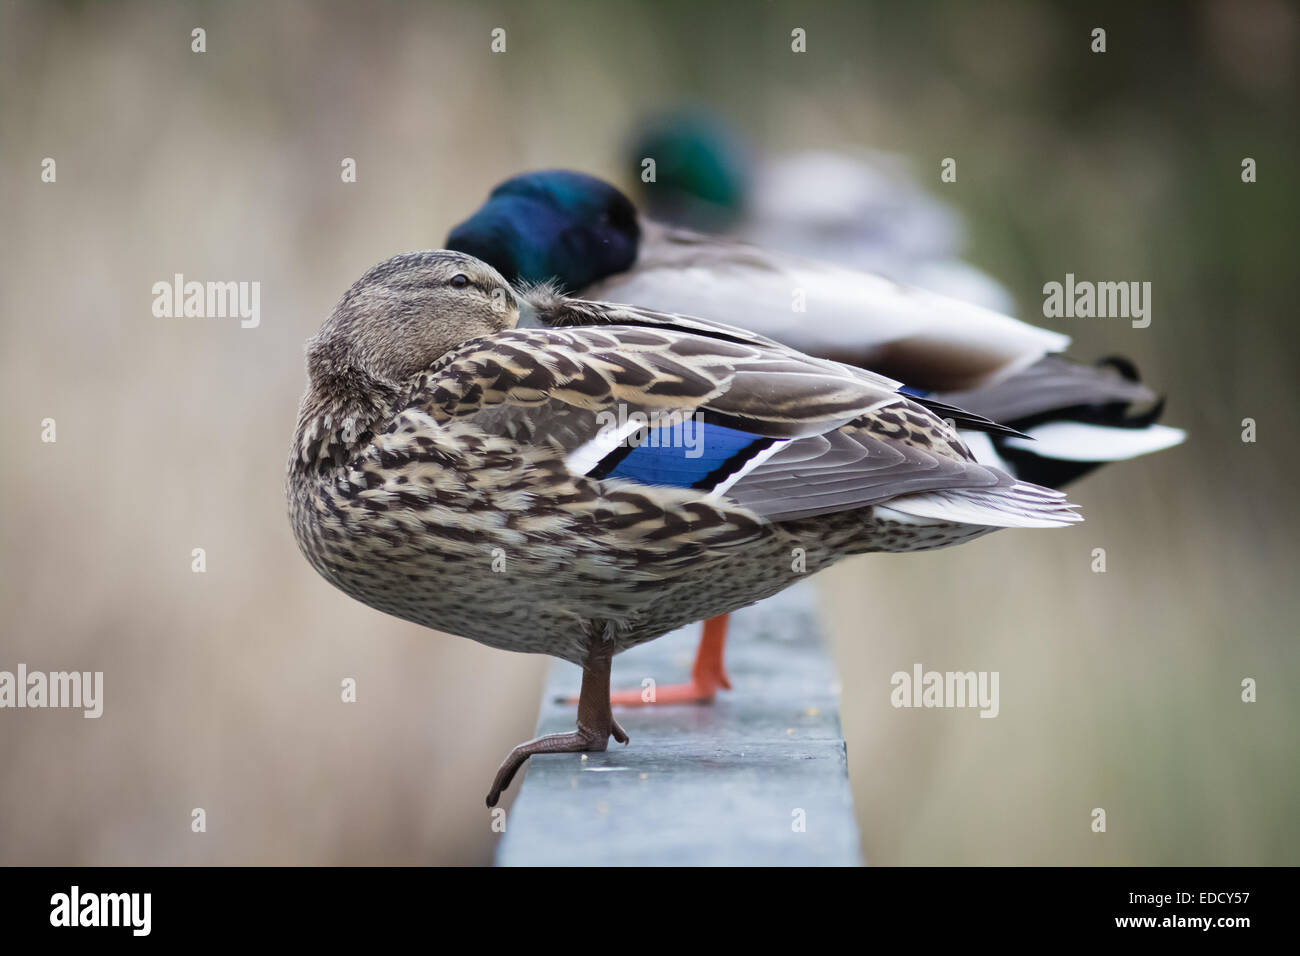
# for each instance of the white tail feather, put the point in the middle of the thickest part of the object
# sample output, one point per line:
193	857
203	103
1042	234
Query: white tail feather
1017	506
1075	441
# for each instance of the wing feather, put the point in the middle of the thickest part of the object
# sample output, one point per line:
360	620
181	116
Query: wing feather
829	437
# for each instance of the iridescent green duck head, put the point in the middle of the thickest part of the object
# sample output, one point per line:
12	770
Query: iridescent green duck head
703	169
553	226
406	313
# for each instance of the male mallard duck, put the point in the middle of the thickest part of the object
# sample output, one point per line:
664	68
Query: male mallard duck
859	208
536	488
586	236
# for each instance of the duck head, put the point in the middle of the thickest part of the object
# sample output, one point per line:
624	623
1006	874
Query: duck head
403	315
553	225
703	169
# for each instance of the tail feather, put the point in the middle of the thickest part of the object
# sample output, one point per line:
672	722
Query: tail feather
1051	385
1074	418
1079	441
1018	505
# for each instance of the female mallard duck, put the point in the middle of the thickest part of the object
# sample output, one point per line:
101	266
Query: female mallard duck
594	481
585	235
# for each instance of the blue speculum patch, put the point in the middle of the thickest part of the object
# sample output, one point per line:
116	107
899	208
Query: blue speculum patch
688	454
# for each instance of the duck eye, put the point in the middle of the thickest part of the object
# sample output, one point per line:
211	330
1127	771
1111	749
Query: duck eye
459	280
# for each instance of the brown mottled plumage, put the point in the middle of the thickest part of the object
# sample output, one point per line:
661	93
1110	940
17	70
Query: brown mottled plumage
435	471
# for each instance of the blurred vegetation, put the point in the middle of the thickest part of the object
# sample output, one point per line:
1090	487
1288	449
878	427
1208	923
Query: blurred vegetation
1119	690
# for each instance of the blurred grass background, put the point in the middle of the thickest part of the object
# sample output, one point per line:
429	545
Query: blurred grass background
1119	690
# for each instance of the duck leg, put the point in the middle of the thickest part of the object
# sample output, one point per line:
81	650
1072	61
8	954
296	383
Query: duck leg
596	723
707	674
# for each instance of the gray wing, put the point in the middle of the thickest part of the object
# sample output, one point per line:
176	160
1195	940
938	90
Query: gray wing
854	466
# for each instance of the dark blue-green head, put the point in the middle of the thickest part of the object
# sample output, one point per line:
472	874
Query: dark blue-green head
702	170
552	225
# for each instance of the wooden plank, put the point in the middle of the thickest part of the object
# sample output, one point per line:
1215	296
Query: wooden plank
727	784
